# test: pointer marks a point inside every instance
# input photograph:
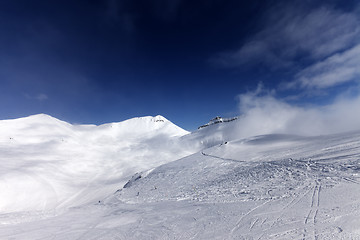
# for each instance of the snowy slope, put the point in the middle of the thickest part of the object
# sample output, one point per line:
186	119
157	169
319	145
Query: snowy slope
266	187
47	163
263	187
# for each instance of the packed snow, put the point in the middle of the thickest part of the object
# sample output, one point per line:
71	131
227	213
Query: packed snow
146	178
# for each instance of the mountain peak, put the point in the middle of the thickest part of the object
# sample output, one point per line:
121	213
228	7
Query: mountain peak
159	118
40	116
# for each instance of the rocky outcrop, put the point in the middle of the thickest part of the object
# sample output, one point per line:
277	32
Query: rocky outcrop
217	120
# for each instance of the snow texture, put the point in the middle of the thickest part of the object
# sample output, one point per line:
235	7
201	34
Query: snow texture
47	163
145	178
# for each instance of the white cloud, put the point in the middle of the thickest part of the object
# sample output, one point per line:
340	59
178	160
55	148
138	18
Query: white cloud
327	42
337	69
263	113
320	32
295	31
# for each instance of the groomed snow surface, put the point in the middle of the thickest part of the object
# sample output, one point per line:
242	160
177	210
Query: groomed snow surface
146	178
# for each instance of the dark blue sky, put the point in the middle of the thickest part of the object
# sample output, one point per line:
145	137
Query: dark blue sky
106	61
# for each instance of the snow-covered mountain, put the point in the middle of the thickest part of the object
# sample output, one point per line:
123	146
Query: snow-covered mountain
146	178
47	163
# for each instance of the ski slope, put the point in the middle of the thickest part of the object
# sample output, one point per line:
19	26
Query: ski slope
208	185
266	187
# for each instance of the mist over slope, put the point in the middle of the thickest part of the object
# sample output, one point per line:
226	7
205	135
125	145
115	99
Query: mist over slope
48	163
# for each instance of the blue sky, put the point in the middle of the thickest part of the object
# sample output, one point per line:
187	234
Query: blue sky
106	61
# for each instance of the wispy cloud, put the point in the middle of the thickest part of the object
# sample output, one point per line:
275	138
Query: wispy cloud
337	69
321	46
296	32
